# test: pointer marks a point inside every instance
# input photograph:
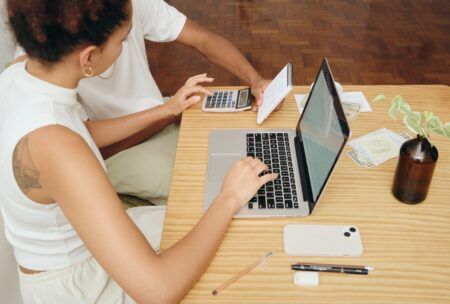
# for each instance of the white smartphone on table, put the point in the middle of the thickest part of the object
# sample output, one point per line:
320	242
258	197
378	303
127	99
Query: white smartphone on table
322	240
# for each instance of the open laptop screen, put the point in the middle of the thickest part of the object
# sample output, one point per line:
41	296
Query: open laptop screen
322	135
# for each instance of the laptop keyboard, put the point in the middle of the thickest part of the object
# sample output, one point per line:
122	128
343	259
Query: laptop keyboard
273	149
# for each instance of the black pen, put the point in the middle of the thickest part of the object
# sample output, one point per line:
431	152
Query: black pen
348	269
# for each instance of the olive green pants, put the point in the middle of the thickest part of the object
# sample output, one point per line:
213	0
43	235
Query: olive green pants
142	174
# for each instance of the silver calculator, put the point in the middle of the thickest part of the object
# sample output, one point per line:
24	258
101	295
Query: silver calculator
228	101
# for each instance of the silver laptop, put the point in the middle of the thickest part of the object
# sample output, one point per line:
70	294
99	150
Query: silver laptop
304	157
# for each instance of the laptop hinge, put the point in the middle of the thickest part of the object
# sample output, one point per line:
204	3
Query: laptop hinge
303	171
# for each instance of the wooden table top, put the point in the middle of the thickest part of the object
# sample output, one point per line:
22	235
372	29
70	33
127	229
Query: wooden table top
409	245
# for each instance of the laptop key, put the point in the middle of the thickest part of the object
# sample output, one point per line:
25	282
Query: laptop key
278	187
250	205
280	206
253	200
288	204
287	196
279	199
261	202
278	193
270	194
251	154
295	205
261	191
271	203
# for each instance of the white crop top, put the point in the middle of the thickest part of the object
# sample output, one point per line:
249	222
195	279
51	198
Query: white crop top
41	235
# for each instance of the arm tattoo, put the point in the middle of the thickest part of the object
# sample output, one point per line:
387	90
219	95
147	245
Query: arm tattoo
25	172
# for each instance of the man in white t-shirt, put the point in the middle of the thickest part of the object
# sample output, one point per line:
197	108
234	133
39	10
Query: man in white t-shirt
141	166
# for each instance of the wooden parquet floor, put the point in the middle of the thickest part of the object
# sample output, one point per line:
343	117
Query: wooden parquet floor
366	42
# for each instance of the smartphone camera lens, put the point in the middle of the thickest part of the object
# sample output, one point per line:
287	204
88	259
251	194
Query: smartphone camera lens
347	234
352	229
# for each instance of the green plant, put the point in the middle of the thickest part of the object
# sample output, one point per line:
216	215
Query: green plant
422	124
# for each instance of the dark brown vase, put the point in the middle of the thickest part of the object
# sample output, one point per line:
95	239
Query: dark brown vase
415	169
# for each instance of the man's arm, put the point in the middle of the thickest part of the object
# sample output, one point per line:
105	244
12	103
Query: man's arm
223	53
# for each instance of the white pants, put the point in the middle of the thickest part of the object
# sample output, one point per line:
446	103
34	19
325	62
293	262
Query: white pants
87	282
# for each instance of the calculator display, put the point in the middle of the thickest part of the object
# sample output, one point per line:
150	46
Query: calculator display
243	99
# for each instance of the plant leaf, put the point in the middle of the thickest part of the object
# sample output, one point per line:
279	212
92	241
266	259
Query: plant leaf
447	129
404	107
412	122
393	111
435	125
427	115
379	98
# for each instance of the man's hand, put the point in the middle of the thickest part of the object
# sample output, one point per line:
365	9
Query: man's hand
258	88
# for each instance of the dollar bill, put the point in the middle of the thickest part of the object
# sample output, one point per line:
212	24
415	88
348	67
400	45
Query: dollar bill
375	148
360	159
351	110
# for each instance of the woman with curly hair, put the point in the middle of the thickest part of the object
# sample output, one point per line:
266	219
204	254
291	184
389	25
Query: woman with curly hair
73	241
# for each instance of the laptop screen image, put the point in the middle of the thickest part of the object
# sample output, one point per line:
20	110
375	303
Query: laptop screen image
322	135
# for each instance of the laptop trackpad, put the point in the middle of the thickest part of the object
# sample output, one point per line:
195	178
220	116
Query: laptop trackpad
220	164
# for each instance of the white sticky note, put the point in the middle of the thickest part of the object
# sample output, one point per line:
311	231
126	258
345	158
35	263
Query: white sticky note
306	278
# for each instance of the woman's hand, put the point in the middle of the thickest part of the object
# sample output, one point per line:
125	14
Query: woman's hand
187	94
243	180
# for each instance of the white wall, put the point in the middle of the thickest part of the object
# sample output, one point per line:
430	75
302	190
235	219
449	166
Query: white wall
6	45
9	284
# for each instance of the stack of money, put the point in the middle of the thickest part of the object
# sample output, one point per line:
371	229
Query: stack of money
377	147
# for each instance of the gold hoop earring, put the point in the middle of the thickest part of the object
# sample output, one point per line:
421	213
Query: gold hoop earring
88	71
112	73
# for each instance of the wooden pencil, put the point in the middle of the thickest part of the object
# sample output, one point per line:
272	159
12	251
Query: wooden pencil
243	272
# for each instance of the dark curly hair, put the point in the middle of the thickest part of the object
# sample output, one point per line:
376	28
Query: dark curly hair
48	30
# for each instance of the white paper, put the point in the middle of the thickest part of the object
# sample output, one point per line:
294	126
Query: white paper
275	92
358	98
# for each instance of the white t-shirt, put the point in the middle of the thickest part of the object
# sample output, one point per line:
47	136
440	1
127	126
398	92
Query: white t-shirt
41	235
132	87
